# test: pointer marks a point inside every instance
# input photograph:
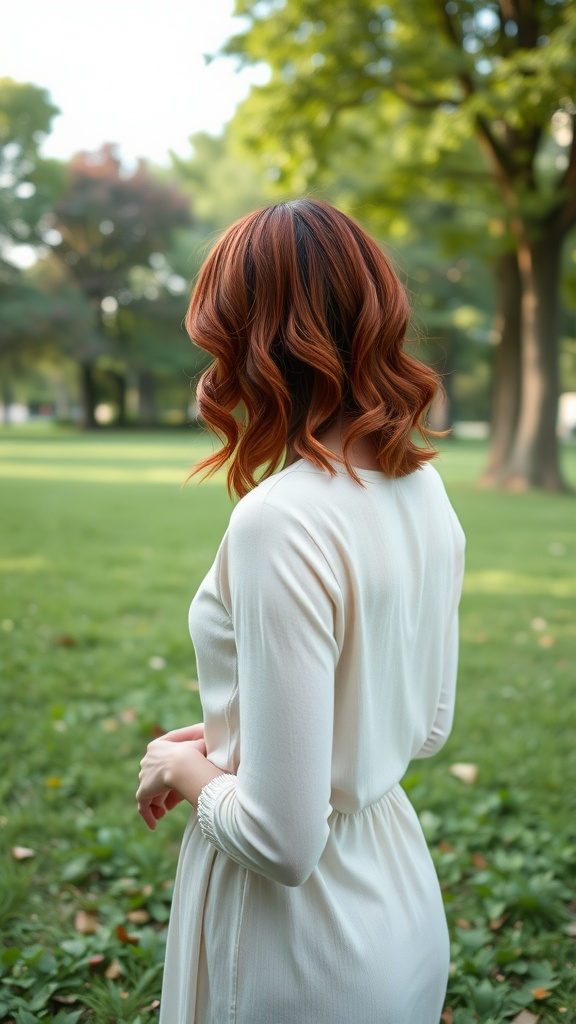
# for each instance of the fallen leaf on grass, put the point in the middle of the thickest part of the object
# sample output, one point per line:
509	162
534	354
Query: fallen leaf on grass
125	937
540	993
525	1017
96	960
138	916
479	861
463	923
113	971
65	1000
109	725
467	773
151	1006
497	923
128	715
448	1016
65	640
546	640
22	852
571	929
86	922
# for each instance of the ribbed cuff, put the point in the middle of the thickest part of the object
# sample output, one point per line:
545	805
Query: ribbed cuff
206	802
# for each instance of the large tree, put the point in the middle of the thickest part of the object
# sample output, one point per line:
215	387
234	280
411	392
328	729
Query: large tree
28	186
467	101
109	223
43	319
28	182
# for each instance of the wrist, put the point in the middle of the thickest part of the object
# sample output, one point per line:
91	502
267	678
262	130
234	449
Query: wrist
188	771
180	766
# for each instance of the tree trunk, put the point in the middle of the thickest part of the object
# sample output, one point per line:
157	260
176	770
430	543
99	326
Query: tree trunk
89	398
119	382
534	458
146	397
507	366
6	396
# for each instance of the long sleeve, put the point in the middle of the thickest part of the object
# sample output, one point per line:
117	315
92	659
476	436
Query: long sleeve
444	718
280	593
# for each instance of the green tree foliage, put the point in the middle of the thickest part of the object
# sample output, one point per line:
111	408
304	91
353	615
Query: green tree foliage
42	320
221	183
28	183
45	313
32	318
465	101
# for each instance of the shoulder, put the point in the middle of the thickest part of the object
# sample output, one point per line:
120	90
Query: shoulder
269	542
280	501
427	476
437	496
284	523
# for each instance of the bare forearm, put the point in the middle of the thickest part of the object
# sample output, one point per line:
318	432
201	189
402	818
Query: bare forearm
188	772
172	769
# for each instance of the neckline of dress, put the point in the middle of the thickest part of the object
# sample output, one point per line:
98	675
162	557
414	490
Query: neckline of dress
372	474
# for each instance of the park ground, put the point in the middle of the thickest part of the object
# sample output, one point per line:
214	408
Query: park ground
101	550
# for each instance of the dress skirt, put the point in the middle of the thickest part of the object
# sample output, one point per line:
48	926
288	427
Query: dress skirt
362	941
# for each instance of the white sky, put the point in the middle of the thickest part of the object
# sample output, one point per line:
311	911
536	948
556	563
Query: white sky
125	71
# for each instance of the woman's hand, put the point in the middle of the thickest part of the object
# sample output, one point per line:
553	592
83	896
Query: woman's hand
166	801
189	732
155	794
174	768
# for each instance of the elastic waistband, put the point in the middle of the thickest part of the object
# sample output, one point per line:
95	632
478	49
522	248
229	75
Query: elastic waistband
396	789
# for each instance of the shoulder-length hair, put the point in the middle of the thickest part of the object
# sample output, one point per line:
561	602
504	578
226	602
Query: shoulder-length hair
306	321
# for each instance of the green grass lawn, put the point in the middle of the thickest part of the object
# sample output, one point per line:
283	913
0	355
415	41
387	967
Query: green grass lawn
101	551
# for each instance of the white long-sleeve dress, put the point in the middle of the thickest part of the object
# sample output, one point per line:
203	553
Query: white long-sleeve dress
326	640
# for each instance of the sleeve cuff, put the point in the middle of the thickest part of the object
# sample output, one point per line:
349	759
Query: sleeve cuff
207	802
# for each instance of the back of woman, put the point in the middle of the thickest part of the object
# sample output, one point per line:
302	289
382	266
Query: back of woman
326	643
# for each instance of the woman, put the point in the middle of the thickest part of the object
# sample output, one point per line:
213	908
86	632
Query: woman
326	645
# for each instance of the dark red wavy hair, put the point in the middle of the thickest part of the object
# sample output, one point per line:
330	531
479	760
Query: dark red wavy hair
306	321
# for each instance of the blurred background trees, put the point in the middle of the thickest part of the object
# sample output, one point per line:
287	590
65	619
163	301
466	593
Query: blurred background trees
110	231
28	186
446	127
465	104
95	264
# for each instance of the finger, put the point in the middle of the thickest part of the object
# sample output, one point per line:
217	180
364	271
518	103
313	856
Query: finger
188	732
145	813
172	800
